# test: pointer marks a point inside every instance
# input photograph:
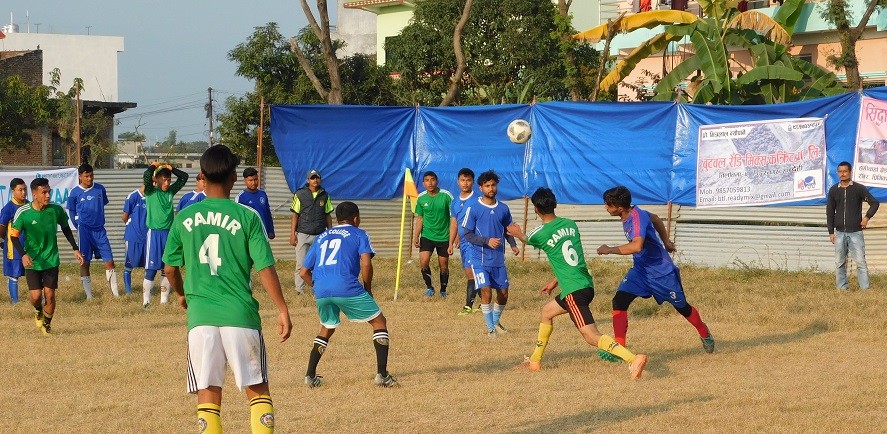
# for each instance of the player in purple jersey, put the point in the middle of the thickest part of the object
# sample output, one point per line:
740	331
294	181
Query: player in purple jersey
339	267
134	235
465	181
653	274
86	207
195	196
256	199
483	225
12	260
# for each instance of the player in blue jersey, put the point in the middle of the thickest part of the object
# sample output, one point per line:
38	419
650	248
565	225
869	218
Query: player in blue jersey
256	199
653	274
465	181
339	266
12	260
134	235
195	196
86	207
483	225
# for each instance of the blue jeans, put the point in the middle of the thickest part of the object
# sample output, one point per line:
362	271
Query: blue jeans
853	243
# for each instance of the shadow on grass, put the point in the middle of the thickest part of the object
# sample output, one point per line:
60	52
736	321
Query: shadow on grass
590	420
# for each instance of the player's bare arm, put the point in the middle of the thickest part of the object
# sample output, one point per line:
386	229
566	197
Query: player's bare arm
548	287
125	217
366	272
454	236
174	276
305	274
271	283
663	233
515	231
635	246
417	231
294	224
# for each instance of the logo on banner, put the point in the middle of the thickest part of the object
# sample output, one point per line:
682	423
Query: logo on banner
808	182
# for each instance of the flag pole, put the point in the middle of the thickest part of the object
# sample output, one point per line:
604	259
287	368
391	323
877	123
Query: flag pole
403	213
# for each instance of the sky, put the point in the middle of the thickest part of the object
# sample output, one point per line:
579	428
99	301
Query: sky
173	51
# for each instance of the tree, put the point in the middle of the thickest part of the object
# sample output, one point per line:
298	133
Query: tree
95	139
332	93
22	109
131	136
512	52
839	14
775	75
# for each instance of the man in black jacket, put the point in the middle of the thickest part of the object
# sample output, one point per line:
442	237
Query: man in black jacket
845	222
311	210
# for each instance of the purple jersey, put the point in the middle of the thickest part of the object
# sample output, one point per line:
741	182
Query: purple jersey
136	230
653	260
334	261
258	200
86	206
488	221
190	198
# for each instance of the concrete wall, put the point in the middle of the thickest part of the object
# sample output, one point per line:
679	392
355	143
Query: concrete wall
357	28
91	58
390	24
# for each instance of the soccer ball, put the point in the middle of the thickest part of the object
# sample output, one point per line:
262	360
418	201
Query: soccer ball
519	131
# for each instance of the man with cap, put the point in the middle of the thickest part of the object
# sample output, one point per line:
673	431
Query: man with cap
311	210
256	199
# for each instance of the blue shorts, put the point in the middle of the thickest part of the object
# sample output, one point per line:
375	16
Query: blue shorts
494	277
154	248
94	241
665	288
135	255
465	253
360	308
13	267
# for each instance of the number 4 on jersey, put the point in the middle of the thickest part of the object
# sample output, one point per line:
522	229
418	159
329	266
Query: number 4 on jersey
209	253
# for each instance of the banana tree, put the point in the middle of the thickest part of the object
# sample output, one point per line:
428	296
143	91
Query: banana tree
710	72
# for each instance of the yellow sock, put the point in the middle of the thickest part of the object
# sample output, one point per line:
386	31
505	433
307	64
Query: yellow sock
607	344
261	415
541	341
209	418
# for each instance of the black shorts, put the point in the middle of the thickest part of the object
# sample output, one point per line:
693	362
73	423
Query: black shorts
577	305
39	279
426	245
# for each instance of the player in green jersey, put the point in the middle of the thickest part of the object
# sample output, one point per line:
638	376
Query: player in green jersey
218	241
559	239
40	252
159	204
432	232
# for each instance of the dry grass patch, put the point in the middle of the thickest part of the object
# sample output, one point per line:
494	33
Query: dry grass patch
793	354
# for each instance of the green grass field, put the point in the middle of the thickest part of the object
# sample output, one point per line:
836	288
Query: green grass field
793	355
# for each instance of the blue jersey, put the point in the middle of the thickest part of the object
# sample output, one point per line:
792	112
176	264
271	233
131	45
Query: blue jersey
258	201
6	216
190	198
334	260
86	206
488	221
136	229
653	260
457	211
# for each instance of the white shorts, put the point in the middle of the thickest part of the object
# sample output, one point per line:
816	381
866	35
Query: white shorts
211	348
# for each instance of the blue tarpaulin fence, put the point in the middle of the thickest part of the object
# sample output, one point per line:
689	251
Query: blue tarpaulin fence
577	149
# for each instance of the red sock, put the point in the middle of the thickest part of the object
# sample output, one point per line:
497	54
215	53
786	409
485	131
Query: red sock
620	326
697	322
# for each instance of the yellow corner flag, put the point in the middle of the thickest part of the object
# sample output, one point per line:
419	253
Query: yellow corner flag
409	190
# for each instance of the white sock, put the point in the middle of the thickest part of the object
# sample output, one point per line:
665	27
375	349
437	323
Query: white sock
147	286
164	290
111	276
87	286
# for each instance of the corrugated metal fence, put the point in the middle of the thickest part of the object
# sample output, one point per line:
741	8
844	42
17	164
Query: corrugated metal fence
785	238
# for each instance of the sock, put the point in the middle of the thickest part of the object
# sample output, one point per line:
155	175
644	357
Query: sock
607	344
111	276
164	288
261	415
147	286
380	343
209	419
696	320
470	292
87	286
13	289
127	280
488	316
317	350
620	326
426	276
444	280
47	318
541	341
497	312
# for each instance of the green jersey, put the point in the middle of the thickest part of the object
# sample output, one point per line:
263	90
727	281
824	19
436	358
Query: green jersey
217	241
40	228
158	202
435	213
559	239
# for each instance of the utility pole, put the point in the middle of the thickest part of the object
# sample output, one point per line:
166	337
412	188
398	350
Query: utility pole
209	114
77	111
261	131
